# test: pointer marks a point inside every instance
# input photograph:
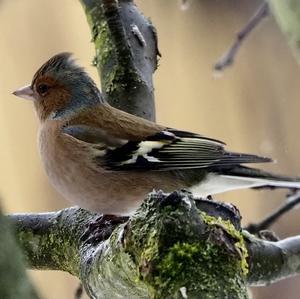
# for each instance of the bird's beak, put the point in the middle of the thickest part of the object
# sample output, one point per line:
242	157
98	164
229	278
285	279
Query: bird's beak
25	92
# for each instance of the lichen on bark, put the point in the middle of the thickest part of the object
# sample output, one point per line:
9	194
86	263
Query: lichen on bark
178	253
126	54
240	244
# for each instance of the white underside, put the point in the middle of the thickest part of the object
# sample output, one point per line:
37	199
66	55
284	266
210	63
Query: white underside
215	183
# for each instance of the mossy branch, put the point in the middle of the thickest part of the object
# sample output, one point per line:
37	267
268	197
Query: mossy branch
167	249
51	240
126	54
170	247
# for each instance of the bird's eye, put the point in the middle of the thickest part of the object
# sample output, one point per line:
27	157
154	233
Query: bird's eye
43	89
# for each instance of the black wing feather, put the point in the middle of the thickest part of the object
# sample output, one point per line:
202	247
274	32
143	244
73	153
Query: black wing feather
172	149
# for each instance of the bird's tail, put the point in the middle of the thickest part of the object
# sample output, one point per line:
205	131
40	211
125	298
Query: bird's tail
260	178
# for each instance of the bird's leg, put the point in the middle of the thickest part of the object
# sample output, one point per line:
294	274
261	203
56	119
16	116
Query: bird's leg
101	228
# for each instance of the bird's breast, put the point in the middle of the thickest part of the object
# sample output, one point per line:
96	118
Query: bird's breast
69	165
72	170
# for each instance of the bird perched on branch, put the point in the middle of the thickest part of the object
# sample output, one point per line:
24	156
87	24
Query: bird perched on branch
106	160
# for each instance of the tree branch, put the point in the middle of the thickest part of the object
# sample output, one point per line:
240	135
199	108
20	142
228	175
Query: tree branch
273	261
291	202
126	54
154	255
165	249
51	240
228	58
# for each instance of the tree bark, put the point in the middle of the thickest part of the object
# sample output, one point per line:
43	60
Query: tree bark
172	246
126	54
168	249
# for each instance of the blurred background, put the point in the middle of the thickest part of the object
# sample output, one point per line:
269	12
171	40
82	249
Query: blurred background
254	106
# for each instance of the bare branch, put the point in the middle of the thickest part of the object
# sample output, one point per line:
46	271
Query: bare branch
273	261
228	58
291	202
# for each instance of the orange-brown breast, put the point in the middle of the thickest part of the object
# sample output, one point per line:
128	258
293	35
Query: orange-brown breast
68	163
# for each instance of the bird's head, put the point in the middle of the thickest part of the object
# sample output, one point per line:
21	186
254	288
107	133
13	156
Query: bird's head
60	87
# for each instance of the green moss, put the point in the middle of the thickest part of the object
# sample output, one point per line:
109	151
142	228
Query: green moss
103	43
101	38
232	231
115	272
175	253
54	244
205	270
114	80
114	73
117	77
151	247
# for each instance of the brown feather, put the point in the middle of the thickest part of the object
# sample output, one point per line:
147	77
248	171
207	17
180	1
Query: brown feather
118	123
57	98
70	167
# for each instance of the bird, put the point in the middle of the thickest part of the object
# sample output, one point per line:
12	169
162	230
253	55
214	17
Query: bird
106	160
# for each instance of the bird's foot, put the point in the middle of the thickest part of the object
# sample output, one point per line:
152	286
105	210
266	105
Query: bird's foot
101	228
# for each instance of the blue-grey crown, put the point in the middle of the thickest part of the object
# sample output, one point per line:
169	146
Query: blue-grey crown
60	66
63	68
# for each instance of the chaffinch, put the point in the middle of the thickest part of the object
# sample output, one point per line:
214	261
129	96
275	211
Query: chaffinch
106	160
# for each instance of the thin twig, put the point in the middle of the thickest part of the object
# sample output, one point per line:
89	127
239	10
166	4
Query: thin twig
291	202
228	58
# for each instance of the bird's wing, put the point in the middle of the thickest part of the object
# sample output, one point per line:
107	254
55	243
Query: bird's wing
93	135
168	149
